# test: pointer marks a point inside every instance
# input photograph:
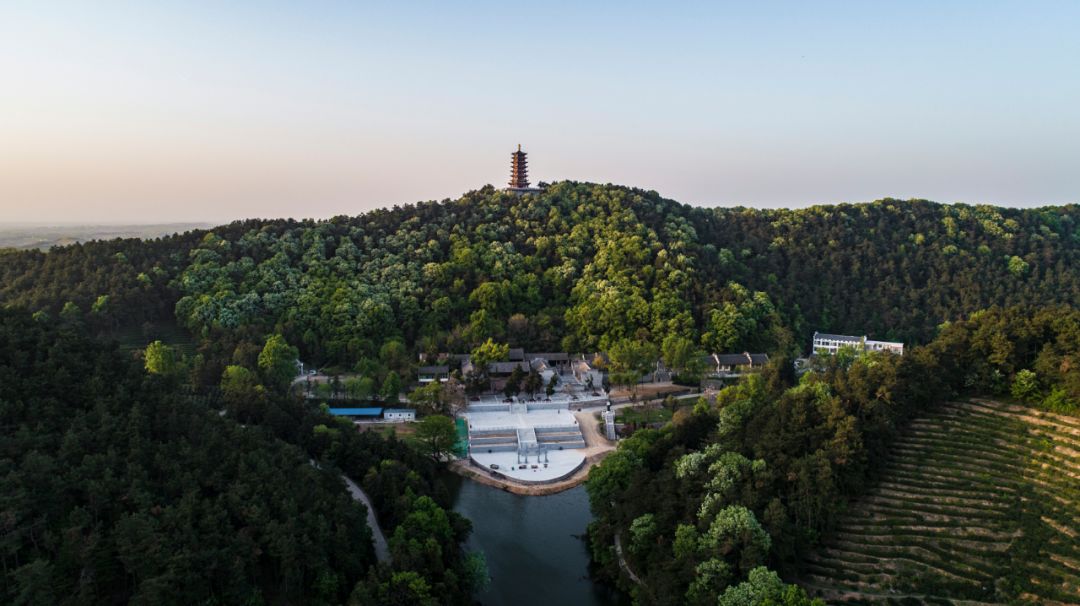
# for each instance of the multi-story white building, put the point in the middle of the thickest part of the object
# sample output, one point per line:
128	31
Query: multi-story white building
829	344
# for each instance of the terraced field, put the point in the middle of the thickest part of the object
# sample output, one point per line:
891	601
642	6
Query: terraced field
979	504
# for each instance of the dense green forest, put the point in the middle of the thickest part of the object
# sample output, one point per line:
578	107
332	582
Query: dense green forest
760	476
118	489
578	267
712	504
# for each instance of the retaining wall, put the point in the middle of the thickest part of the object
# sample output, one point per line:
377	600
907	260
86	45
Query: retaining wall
563	445
488	408
493	448
492	440
495	474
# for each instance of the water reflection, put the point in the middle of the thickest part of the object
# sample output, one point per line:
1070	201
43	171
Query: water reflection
534	547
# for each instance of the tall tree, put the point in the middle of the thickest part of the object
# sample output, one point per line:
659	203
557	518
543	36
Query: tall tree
160	359
431	399
513	382
277	362
533	382
436	435
243	394
391	387
630	360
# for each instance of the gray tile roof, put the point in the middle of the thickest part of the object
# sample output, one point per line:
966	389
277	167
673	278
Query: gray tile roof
847	338
740	359
732	359
561	356
507	367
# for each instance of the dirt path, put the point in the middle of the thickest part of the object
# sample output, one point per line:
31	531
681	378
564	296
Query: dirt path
595	442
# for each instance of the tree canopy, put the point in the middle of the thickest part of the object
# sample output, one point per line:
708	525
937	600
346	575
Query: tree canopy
744	486
579	267
988	293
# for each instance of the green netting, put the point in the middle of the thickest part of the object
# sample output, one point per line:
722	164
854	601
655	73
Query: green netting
461	449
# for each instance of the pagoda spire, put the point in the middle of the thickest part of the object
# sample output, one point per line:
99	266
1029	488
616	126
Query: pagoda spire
519	172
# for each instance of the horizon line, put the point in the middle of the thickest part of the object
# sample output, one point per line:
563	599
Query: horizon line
209	222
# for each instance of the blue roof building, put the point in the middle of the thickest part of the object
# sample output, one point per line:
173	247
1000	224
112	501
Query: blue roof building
356	412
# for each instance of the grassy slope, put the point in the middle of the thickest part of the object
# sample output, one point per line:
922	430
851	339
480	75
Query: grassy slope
979	504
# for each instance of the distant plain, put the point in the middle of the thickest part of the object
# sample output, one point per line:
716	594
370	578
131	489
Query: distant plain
24	236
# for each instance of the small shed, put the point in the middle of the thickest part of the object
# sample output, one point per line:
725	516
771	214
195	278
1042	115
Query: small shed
399	414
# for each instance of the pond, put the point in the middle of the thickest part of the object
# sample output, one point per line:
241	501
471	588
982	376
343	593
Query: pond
534	546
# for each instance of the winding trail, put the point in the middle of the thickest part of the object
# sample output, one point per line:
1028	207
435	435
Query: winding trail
622	561
382	549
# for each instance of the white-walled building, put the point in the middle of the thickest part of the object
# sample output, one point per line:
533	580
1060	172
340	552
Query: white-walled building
892	346
399	414
827	344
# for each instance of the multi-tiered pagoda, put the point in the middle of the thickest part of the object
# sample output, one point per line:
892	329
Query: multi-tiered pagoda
519	170
519	173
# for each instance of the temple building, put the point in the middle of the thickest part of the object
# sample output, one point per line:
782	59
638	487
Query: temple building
519	173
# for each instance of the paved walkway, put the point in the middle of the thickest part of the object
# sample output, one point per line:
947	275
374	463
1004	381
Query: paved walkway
626	402
382	549
622	560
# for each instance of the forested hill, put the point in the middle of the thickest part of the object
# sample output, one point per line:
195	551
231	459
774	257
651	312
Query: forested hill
115	488
578	267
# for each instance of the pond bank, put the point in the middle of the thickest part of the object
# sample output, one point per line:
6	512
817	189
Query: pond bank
468	469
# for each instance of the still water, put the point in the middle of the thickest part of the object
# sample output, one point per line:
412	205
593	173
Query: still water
534	546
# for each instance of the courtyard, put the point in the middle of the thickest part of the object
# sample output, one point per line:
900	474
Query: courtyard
525	441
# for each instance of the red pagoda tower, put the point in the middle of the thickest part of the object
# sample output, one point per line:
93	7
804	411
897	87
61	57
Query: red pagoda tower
519	172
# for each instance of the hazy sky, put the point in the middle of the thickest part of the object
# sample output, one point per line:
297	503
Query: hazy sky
140	111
